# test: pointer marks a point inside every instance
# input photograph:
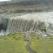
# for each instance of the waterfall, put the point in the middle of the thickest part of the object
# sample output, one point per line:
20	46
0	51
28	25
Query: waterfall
35	22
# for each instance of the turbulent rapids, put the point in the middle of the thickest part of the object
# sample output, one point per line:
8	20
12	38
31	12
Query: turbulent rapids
34	22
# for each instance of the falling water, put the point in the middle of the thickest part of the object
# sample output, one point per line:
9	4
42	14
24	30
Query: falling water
37	22
41	22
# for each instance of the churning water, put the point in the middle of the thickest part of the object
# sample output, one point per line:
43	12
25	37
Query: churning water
41	22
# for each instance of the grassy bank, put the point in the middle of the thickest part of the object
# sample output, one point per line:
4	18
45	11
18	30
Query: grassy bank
14	43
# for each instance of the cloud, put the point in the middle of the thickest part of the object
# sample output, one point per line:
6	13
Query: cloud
4	0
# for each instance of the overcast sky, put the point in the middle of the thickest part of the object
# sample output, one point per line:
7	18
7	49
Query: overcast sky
4	0
10	0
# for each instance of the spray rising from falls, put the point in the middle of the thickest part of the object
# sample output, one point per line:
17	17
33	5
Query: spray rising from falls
31	22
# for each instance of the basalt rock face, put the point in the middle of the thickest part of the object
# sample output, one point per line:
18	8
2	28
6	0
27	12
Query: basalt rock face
26	6
3	24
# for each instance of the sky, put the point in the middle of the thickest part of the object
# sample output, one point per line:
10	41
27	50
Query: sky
4	0
10	0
